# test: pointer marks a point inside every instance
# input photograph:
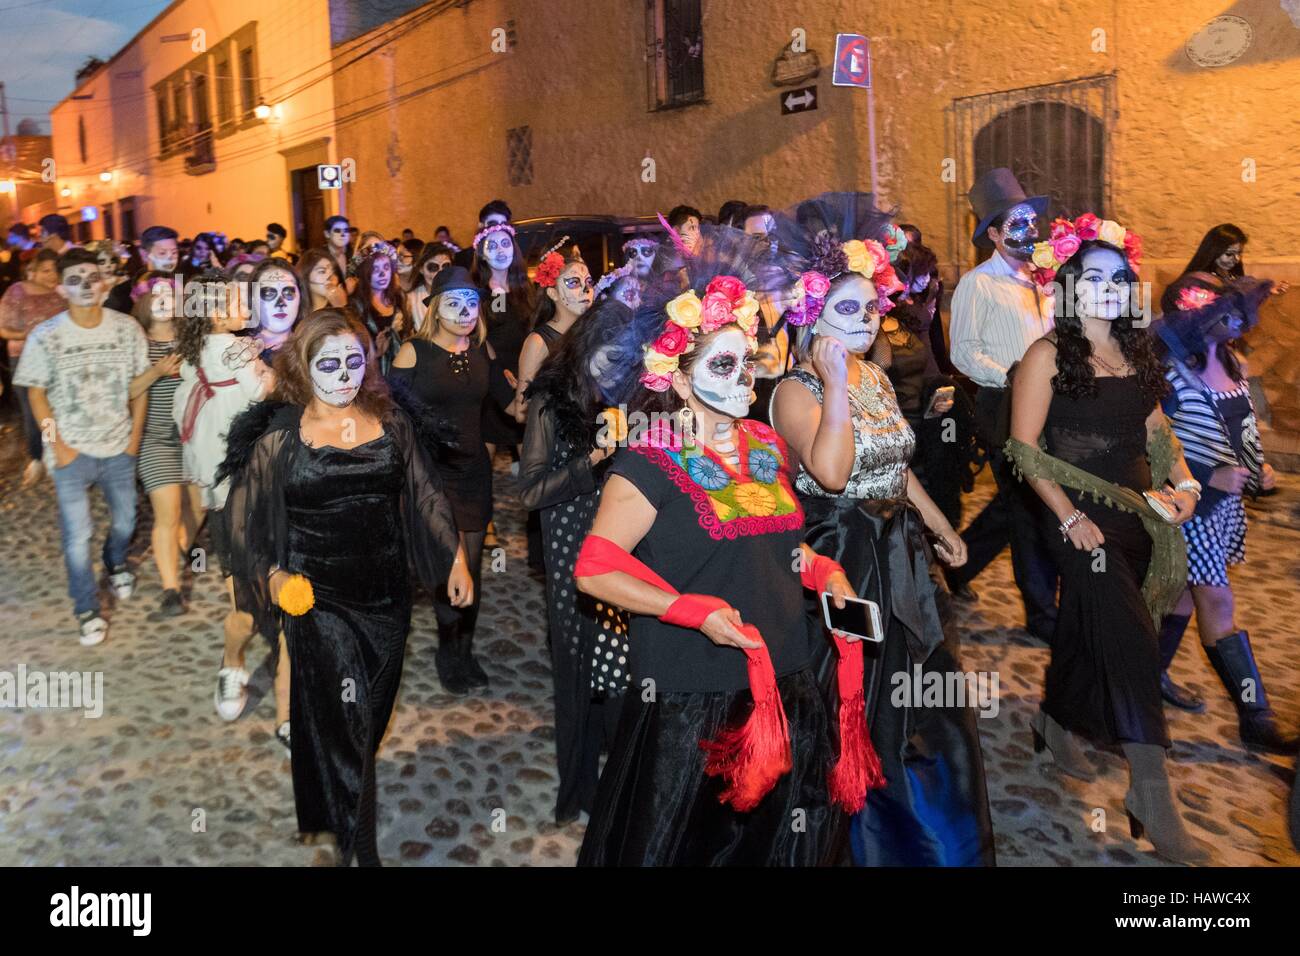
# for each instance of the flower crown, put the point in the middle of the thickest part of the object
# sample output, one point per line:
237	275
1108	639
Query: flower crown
550	267
378	247
869	258
488	230
1066	237
726	301
609	278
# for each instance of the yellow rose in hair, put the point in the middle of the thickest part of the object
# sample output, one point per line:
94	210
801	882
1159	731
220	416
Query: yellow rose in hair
747	313
660	364
860	260
685	310
1111	232
296	596
1044	257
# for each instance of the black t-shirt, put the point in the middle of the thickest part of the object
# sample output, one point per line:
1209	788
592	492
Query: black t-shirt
732	536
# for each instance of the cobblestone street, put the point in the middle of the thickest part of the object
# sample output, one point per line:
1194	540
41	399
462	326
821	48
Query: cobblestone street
124	789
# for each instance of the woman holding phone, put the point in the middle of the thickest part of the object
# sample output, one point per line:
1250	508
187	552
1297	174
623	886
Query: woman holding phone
865	509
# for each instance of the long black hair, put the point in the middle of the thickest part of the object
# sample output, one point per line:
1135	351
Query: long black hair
519	292
1214	244
1075	377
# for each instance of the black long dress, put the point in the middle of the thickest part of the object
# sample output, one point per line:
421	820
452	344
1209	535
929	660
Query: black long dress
506	331
1104	677
356	523
731	535
933	809
589	651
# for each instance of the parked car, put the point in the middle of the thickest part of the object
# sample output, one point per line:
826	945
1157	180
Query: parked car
599	238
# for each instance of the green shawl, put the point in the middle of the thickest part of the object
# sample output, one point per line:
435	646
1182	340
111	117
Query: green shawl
1167	574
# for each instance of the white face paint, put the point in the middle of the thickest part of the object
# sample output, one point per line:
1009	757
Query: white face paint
277	301
499	250
381	274
642	252
851	315
1103	287
722	378
81	285
337	370
163	255
575	288
458	311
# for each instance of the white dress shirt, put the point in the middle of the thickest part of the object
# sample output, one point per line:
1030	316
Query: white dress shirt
997	313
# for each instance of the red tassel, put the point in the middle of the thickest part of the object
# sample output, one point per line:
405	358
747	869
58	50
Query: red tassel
858	768
753	757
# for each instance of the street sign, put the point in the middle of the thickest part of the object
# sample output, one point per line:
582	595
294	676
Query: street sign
798	101
329	176
852	61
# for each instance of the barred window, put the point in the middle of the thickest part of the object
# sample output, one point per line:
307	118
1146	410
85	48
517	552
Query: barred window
519	155
674	52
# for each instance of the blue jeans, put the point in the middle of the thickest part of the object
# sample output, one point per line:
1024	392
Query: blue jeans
72	483
31	431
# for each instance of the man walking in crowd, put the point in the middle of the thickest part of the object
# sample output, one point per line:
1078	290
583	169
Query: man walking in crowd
338	236
78	367
56	234
275	236
997	313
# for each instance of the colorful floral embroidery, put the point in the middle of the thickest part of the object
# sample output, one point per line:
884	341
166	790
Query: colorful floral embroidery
758	501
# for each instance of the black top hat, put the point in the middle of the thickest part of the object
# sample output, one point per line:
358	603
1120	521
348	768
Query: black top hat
450	279
993	194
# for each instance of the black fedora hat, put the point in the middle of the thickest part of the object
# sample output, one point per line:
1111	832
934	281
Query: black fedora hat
994	193
450	279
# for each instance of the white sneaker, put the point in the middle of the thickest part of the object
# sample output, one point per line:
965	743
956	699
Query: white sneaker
123	583
93	631
230	696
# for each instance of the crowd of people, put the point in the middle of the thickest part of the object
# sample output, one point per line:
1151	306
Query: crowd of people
729	442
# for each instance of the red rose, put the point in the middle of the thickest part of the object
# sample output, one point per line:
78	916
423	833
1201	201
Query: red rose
879	257
673	340
729	286
1085	227
1133	248
1062	227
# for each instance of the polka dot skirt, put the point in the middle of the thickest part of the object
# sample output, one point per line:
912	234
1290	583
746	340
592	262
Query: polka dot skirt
1214	542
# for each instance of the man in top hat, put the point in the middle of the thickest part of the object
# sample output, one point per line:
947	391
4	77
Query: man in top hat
997	313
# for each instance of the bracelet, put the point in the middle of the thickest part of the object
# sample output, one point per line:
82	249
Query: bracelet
1074	518
271	573
1189	484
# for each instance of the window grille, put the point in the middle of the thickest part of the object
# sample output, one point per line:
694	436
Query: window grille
674	53
519	155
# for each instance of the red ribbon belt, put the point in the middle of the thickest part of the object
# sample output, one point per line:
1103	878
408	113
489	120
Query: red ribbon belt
203	392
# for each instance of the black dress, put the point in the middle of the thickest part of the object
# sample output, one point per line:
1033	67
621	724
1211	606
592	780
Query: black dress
589	650
356	523
1104	677
456	386
506	331
730	535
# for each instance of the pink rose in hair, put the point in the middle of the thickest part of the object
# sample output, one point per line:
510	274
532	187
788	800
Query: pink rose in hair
816	285
1064	246
879	256
715	309
729	286
656	383
1085	227
1061	227
1133	249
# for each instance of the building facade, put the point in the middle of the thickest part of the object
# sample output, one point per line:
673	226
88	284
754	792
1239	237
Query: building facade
213	117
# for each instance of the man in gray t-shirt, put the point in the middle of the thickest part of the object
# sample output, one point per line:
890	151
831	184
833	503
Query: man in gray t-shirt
82	368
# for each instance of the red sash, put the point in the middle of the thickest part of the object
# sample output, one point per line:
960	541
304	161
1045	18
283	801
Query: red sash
200	396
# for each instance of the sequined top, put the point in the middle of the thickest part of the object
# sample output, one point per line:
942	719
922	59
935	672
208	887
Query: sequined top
882	439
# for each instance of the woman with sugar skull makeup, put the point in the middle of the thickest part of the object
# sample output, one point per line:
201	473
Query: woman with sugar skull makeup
1090	392
448	367
567	290
276	296
566	454
507	307
730	733
867	510
379	301
331	482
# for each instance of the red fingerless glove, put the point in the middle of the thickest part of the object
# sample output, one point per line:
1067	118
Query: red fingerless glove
817	572
690	610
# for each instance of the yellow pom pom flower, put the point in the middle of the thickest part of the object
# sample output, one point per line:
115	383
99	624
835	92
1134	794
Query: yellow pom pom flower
296	596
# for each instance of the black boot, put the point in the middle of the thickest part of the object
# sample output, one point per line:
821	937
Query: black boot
1171	635
1234	662
475	676
449	661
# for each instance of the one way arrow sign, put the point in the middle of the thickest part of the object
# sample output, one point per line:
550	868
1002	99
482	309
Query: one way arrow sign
798	101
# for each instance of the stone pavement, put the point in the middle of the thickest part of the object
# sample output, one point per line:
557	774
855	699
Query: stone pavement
472	781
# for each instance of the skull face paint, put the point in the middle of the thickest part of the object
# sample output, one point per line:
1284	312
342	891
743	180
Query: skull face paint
851	315
1103	288
81	285
574	289
277	301
722	377
337	370
499	250
1020	231
163	255
641	252
458	311
381	273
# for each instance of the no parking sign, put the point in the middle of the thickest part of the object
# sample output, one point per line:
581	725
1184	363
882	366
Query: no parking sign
852	61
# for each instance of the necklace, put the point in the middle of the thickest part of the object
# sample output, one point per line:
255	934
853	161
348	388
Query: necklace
1108	367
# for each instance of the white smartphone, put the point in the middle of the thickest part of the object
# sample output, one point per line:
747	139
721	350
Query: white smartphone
860	617
946	392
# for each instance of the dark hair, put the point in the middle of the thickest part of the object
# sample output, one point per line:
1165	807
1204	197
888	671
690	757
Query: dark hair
1169	304
293	362
281	265
1075	377
1213	244
76	257
276	229
333	220
519	294
251	246
156	234
564	384
679	214
908	230
430	250
391	296
413	246
913	262
308	263
732	213
758	209
192	329
546	308
495	206
45	255
56	225
21	229
442	229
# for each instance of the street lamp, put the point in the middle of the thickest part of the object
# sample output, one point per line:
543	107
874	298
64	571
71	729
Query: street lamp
261	111
106	177
65	192
6	185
